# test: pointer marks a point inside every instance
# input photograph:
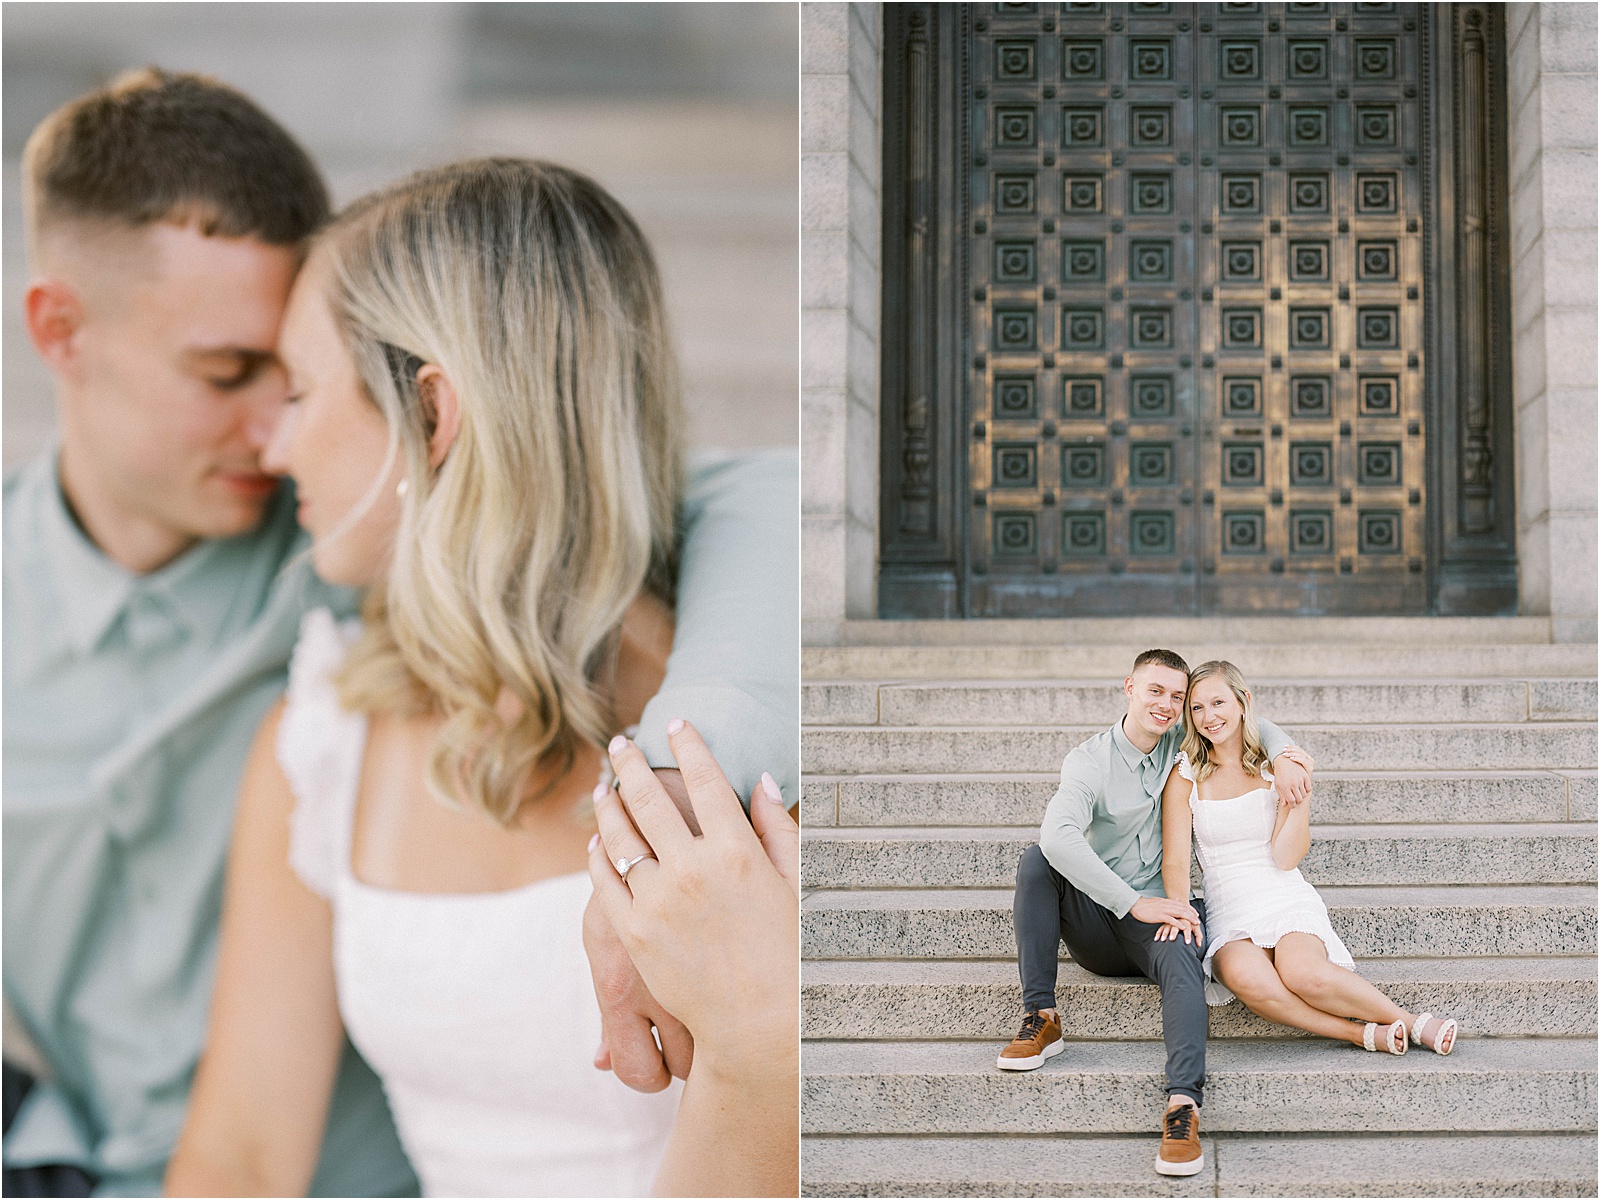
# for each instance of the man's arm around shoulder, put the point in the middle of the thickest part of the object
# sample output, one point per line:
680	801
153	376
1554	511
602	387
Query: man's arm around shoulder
734	669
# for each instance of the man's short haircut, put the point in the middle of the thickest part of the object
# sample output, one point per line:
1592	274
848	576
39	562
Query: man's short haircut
1161	658
156	145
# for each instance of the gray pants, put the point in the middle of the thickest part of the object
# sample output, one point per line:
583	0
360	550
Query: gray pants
1048	910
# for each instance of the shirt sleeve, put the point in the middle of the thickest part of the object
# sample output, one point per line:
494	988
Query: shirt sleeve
1064	846
734	671
1274	740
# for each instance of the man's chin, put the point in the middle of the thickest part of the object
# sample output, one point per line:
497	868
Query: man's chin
239	516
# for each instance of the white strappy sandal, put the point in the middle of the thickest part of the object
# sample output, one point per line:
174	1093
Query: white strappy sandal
1444	1036
1392	1045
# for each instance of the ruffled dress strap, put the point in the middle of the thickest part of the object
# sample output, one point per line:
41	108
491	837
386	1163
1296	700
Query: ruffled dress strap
1184	766
319	747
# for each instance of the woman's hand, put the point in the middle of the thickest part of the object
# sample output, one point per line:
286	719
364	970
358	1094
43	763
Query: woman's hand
712	922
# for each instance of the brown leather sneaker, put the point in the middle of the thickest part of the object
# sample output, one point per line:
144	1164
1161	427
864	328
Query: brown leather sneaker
1039	1039
1180	1152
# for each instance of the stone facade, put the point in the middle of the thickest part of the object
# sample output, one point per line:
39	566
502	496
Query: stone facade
841	182
1551	86
1552	141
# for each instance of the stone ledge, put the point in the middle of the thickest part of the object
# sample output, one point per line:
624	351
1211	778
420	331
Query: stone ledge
846	750
1373	922
1236	1165
1360	855
1375	798
1506	1085
938	1000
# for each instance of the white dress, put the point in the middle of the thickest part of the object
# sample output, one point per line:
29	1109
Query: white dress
476	1010
1247	895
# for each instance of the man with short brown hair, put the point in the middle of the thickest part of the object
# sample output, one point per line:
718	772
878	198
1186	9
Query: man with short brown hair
1094	881
149	615
154	581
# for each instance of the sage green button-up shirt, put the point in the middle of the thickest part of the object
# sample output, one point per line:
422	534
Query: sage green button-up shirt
1102	829
130	704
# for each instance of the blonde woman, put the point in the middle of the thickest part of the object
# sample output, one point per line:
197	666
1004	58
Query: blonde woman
483	432
1269	940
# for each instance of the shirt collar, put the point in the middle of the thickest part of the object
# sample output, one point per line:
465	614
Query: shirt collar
1131	754
93	591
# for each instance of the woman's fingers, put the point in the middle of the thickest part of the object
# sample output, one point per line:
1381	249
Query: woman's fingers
618	838
612	894
780	836
715	804
647	802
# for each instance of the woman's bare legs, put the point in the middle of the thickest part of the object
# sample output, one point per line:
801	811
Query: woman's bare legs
1249	972
1295	984
1302	963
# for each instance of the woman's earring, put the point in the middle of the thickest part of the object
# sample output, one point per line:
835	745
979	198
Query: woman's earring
401	488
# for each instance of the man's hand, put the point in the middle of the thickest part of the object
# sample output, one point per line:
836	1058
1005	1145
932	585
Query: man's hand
1176	915
627	1009
1291	773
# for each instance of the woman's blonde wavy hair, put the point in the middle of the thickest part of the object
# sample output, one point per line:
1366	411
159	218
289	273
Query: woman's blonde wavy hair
538	297
1198	747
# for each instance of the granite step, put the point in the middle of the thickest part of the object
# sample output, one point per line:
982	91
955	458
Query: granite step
1487	1164
1490	1085
1177	632
1373	922
1101	701
878	750
939	1000
1291	659
1348	855
1340	796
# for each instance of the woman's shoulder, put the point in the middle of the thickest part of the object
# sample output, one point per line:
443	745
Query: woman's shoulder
1182	767
1180	780
321	647
314	738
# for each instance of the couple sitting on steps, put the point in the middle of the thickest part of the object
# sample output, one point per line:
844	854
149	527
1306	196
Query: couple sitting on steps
1110	877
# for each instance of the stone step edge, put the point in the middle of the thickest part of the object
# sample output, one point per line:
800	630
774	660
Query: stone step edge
1409	893
1524	629
1434	773
1268	1164
1024	663
1319	726
968	1056
1521	1084
1515	966
1041	682
1344	830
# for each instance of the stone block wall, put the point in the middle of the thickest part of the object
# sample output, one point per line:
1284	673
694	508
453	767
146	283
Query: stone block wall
1552	143
840	165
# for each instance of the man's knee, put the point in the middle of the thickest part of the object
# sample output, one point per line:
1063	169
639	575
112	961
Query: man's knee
1034	870
1175	962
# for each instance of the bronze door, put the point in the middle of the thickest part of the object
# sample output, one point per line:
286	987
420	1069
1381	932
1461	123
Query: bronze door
1190	284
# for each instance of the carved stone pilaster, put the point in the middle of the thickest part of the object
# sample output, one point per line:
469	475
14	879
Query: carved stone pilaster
1476	405
916	410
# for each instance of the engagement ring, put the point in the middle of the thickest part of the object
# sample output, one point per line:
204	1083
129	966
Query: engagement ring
624	865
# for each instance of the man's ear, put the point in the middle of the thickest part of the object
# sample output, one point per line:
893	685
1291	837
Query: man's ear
443	408
54	314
